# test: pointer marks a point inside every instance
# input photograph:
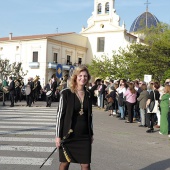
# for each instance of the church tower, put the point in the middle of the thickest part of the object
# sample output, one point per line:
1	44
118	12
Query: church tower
103	30
104	15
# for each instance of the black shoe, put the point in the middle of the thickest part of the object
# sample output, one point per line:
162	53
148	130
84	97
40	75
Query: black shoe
46	105
150	131
121	118
142	126
11	105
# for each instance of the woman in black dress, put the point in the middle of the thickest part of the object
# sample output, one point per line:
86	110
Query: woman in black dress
75	112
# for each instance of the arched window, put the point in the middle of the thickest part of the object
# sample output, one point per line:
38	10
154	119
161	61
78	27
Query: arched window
99	9
107	8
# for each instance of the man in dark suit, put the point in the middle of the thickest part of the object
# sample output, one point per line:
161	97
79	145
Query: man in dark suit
53	86
11	91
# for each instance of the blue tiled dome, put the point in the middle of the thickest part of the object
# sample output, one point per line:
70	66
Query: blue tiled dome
145	19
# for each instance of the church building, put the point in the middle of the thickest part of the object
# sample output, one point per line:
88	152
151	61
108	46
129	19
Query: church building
41	54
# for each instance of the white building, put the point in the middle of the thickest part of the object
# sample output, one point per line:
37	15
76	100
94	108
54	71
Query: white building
104	32
40	54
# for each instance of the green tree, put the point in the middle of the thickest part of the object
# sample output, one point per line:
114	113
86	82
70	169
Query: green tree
151	56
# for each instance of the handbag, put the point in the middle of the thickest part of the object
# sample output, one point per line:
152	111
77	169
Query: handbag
96	93
110	100
153	106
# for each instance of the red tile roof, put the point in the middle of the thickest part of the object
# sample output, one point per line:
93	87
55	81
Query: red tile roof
33	36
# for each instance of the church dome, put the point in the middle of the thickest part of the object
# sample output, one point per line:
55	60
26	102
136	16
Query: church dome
144	20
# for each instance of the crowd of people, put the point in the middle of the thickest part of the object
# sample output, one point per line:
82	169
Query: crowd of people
135	101
15	90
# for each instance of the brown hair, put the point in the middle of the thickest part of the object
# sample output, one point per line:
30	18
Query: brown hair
131	88
144	87
76	72
156	85
167	89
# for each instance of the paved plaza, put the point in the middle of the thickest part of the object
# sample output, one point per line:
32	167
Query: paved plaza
27	139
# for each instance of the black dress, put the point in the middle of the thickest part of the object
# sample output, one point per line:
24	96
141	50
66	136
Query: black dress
78	145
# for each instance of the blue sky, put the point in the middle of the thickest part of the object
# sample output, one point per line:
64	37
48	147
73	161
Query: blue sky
30	17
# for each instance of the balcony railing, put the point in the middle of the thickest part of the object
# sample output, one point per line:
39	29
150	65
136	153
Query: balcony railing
34	64
52	65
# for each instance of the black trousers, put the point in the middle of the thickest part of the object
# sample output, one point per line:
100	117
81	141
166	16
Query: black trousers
150	119
130	111
49	100
12	98
29	100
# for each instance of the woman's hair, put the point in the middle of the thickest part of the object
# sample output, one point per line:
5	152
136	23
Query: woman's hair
144	87
167	89
156	85
76	72
131	88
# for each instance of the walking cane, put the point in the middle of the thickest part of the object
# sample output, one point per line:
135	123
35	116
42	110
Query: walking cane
62	141
48	157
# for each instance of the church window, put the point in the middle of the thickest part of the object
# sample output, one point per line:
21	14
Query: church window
99	8
100	44
107	8
35	56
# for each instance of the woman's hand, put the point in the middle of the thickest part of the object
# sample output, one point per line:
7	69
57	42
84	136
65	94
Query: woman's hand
57	142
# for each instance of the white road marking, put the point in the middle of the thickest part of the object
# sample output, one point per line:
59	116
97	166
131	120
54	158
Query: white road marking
24	161
30	116
26	148
28	127
16	132
46	120
19	139
27	123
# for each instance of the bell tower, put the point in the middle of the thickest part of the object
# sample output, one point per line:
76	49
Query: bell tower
103	7
104	16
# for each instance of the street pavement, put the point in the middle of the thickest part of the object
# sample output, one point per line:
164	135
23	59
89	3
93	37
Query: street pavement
27	139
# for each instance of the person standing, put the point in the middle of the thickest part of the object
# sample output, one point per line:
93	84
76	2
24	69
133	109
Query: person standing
130	95
47	88
11	91
29	97
142	99
120	92
75	112
153	96
164	111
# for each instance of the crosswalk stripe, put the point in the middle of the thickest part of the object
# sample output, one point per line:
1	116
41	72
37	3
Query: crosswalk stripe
27	148
27	133
28	127
37	127
19	139
4	116
29	110
27	123
28	113
24	161
45	120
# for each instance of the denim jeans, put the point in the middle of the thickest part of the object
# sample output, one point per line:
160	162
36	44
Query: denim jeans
101	101
142	116
122	111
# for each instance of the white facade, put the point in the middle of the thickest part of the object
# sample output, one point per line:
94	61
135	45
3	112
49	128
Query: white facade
40	54
22	49
105	23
